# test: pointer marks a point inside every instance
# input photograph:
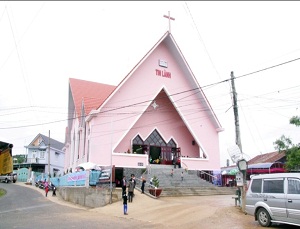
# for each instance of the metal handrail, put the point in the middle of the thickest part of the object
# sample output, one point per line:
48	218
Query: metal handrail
208	174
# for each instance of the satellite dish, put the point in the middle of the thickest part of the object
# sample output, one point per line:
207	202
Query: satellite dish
235	153
246	157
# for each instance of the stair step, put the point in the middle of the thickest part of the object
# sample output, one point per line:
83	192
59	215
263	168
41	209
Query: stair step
191	184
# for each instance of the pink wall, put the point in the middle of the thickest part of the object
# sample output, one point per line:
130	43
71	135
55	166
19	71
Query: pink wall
115	129
168	123
129	160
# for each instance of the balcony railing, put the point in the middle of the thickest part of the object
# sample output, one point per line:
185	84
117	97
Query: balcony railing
32	160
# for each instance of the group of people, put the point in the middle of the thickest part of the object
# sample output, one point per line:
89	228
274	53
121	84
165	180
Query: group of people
172	174
130	185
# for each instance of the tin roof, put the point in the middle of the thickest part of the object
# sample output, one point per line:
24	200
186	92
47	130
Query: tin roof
267	157
260	166
91	94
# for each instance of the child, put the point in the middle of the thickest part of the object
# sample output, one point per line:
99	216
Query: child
125	204
172	172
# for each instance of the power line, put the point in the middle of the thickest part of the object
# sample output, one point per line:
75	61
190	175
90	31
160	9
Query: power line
19	58
147	101
264	69
34	18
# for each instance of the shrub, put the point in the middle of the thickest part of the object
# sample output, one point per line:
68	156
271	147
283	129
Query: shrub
155	181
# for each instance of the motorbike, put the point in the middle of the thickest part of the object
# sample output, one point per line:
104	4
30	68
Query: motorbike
41	185
53	188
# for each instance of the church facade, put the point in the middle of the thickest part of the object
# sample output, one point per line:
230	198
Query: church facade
157	113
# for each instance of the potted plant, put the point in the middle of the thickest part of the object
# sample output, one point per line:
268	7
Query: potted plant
155	191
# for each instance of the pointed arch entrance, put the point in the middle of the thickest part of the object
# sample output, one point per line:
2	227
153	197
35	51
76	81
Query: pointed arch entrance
159	151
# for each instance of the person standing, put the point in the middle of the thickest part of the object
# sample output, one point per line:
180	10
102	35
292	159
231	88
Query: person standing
143	184
174	162
130	190
53	189
125	204
182	176
124	184
134	182
46	186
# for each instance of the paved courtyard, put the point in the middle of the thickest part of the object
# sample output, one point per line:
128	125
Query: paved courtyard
176	212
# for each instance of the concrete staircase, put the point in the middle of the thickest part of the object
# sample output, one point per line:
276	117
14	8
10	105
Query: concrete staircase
190	185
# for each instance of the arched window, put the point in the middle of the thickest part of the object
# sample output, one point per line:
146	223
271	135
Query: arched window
138	140
137	145
155	139
171	143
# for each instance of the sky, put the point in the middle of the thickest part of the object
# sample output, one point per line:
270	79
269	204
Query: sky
43	44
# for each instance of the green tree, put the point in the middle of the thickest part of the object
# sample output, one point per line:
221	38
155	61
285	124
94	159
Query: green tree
292	151
295	120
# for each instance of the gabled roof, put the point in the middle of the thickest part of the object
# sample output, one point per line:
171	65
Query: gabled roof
53	143
170	42
268	157
90	94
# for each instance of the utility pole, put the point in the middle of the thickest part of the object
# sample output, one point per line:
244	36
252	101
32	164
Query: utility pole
49	158
238	143
111	146
236	114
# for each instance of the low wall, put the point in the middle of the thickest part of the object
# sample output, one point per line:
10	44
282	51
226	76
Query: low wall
92	197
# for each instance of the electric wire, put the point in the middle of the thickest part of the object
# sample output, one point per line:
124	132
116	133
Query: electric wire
19	58
22	36
185	91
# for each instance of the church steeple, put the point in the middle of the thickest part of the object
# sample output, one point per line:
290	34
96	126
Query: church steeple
170	18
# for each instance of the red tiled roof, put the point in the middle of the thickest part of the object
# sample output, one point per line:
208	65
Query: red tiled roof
90	93
267	157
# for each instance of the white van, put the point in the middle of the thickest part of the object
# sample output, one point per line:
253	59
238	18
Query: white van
274	198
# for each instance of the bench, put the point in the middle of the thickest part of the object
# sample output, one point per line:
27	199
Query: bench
236	199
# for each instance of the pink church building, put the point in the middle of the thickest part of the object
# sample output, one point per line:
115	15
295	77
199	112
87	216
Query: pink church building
158	112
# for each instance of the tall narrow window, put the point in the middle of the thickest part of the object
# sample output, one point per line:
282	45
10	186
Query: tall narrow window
78	149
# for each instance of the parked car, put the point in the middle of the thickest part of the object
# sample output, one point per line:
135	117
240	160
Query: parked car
12	177
274	198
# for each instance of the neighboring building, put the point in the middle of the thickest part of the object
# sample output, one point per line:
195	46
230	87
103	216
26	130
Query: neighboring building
38	153
261	164
267	163
268	157
157	113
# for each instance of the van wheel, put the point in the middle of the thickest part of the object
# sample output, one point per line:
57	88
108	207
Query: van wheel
6	180
263	217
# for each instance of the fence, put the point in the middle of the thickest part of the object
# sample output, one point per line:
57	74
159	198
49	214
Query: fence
70	179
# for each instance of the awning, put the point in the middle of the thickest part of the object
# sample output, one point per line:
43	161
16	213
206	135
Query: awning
89	166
